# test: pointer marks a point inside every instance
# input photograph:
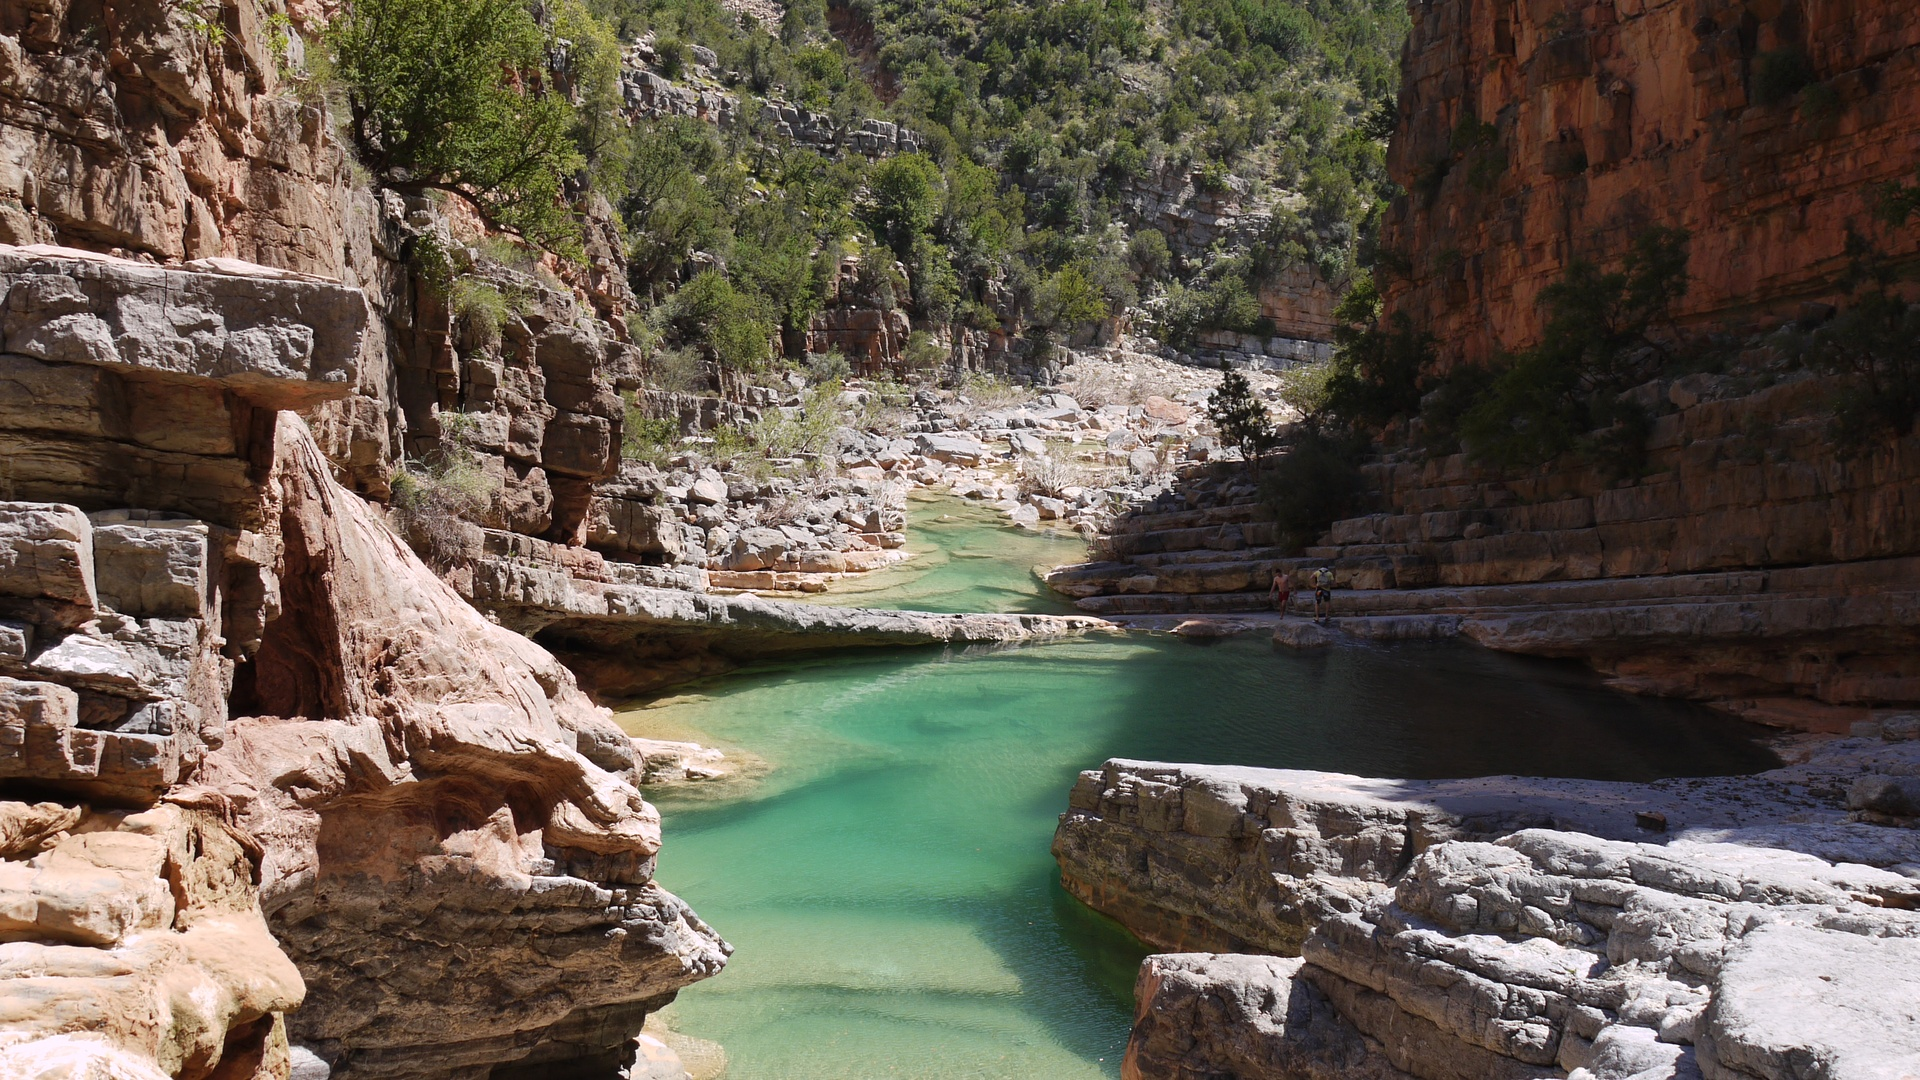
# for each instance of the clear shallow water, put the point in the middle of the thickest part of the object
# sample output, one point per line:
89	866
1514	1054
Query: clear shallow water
965	559
888	885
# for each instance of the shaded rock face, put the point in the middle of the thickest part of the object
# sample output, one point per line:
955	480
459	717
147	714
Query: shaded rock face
1507	927
1762	129
252	689
126	126
1750	566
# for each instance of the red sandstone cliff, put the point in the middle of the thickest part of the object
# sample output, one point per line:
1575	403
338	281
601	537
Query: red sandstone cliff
1609	116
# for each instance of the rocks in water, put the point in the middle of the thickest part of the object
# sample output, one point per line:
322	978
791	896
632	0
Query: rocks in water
1202	1015
625	639
1305	634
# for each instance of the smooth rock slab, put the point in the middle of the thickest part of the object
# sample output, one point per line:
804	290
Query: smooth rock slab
285	342
1803	1003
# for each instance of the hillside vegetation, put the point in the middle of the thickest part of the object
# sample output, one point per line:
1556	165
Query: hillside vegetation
1046	136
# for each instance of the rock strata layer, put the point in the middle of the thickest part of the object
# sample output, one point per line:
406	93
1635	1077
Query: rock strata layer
285	789
624	631
1731	928
1750	567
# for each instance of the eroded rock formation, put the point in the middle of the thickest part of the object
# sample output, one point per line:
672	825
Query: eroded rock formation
267	746
1503	927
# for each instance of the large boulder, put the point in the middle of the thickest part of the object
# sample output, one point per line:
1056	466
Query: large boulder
954	449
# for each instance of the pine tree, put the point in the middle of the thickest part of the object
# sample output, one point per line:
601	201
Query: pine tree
1240	416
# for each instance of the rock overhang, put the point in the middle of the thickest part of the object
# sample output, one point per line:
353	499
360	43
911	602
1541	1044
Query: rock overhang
278	339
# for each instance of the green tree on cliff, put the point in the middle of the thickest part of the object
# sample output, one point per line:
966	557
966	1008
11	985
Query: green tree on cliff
456	95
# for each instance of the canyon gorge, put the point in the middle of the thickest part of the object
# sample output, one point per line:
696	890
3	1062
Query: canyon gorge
381	561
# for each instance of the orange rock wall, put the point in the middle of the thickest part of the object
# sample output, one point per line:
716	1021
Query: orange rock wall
1610	116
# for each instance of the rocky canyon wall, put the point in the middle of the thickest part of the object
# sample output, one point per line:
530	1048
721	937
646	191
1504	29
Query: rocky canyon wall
254	750
254	753
1536	132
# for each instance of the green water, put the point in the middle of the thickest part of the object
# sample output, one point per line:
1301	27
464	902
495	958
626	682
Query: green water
888	886
965	559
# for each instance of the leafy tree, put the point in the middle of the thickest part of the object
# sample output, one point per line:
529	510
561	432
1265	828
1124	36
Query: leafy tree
1069	299
456	95
733	327
1147	251
906	193
1240	416
1377	370
1309	488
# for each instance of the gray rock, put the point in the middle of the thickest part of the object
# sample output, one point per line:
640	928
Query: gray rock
1795	1002
90	660
155	569
233	327
1896	796
952	449
757	549
304	1064
16	641
1463	941
1027	445
46	552
709	491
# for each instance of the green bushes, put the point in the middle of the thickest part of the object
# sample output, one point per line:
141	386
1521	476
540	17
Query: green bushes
1222	298
1377	372
1564	393
1309	487
456	94
649	439
733	328
1876	344
436	501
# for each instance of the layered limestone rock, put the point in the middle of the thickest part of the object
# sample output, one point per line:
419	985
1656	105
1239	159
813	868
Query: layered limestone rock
1503	927
250	678
1749	567
169	130
1533	134
421	782
132	945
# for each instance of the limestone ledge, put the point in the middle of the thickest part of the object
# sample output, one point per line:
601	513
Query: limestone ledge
626	630
283	339
1727	927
